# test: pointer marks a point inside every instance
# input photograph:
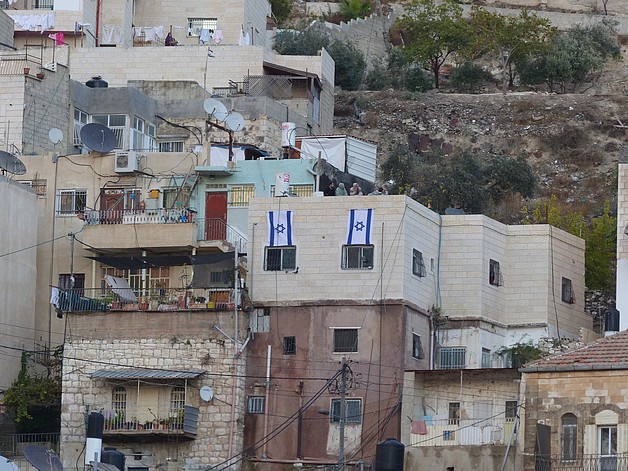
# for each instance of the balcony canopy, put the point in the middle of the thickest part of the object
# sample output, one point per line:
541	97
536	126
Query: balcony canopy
150	261
141	373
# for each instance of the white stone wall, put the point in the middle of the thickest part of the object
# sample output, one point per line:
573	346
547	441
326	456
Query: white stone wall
11	109
6	28
255	14
17	275
622	246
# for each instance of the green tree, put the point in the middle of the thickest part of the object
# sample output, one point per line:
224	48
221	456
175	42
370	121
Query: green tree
432	32
378	77
468	77
350	65
505	175
281	10
301	43
352	9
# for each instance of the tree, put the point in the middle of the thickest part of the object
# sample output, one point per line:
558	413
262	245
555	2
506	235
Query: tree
301	43
504	175
469	77
350	65
352	9
506	37
281	9
432	32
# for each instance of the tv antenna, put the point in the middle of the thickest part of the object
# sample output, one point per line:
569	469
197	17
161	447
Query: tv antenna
10	163
233	122
215	109
42	459
98	137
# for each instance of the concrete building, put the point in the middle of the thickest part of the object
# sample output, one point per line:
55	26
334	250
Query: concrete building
427	292
17	276
575	408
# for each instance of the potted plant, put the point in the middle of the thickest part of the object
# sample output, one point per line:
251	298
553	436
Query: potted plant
40	75
27	70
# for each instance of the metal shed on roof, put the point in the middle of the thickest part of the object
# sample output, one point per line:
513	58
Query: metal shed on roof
143	373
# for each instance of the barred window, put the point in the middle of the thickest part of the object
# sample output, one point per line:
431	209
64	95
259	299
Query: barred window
239	195
345	340
118	403
171	146
511	411
454	413
357	257
290	345
418	265
450	358
177	402
71	202
280	258
196	25
256	404
296	190
353	411
567	294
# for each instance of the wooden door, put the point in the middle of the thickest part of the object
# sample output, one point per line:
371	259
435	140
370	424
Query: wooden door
216	215
111	206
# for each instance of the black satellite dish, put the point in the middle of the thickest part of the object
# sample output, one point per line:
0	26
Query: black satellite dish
98	137
42	458
10	163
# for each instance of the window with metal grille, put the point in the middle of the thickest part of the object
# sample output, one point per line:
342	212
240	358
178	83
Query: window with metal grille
177	401
511	411
418	266
289	345
487	361
171	146
357	257
256	404
196	25
239	195
296	190
452	358
417	347
345	340
454	413
280	258
71	202
494	273
567	294
569	437
39	185
118	403
353	411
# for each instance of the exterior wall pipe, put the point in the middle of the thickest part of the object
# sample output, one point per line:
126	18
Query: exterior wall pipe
266	399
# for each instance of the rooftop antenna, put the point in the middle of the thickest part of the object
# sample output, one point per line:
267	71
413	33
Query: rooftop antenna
233	122
42	459
98	137
10	163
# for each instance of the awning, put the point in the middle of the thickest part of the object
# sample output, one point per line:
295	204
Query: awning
151	261
141	373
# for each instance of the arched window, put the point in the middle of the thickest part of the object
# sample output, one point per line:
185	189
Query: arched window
118	405
177	407
569	437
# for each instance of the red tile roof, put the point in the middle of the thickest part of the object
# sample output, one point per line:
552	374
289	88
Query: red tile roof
604	354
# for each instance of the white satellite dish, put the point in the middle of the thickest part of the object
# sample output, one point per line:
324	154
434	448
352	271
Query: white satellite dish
55	135
235	121
216	109
207	393
8	465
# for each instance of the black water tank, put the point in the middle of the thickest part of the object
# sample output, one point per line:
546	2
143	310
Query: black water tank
96	82
112	456
611	320
389	455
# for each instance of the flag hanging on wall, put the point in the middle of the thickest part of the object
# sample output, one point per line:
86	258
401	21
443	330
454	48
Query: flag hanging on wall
280	228
360	227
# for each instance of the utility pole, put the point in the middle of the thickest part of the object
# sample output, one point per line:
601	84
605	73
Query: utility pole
343	412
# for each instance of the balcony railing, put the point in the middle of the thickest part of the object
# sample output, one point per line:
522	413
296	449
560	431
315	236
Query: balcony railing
444	432
154	299
617	462
135	421
13	444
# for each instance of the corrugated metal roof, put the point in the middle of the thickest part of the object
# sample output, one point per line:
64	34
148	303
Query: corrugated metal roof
141	373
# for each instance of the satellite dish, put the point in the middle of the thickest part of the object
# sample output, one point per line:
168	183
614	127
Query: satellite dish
7	465
98	137
235	121
216	109
42	459
207	394
10	163
55	135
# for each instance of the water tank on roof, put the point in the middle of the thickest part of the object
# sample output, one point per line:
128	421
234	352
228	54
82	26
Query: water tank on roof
611	321
112	456
96	82
389	455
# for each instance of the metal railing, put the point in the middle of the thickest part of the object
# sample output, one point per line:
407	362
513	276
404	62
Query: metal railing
617	462
136	420
443	432
153	299
13	444
19	63
138	216
218	229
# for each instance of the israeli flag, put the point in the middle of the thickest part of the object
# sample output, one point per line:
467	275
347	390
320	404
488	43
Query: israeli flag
360	227
280	228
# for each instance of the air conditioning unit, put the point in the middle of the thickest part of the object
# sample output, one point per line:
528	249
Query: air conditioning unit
126	161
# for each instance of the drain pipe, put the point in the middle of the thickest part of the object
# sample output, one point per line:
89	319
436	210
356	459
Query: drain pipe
267	394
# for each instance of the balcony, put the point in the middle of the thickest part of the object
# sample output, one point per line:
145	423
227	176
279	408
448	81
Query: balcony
465	432
583	463
143	423
155	299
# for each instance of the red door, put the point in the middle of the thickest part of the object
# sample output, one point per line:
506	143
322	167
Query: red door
111	206
216	215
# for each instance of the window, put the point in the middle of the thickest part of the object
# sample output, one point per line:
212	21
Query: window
494	273
289	345
71	202
142	135
450	358
486	358
80	119
65	282
567	294
195	25
417	347
260	320
171	146
239	195
418	266
296	190
115	122
345	340
454	413
511	411
353	411
607	447
132	198
170	197
357	257
118	403
256	404
280	258
177	402
568	439
39	185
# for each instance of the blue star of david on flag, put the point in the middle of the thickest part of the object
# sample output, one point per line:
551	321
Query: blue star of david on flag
360	227
280	228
